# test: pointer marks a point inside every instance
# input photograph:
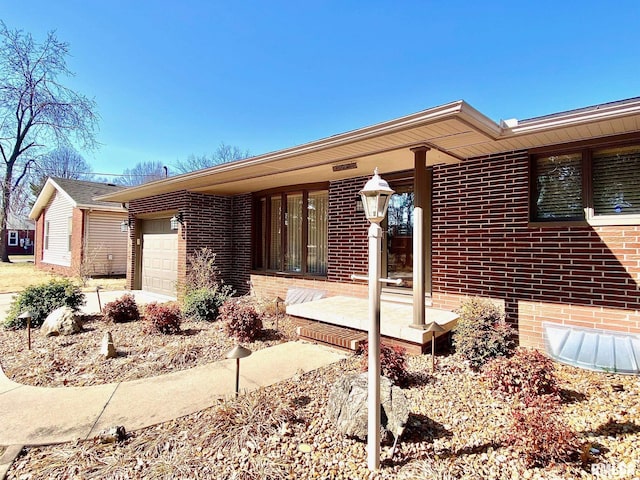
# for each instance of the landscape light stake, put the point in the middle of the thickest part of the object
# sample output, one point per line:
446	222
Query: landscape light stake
278	301
433	328
27	316
98	288
238	352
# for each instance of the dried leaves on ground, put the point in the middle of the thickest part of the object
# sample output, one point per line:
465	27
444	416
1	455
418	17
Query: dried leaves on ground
455	431
75	360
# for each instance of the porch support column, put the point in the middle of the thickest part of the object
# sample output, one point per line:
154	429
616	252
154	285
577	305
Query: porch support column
420	207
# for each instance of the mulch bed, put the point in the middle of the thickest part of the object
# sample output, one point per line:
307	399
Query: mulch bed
455	429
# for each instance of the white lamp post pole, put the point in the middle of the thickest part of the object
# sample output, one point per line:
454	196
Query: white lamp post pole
373	420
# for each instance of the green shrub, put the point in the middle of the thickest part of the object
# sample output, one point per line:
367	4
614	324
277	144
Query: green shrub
203	304
43	299
121	310
164	318
241	320
393	363
528	374
482	333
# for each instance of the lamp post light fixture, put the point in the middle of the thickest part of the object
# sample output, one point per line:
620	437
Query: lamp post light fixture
98	288
375	200
238	352
27	316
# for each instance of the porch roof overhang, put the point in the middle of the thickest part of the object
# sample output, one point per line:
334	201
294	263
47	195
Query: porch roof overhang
454	132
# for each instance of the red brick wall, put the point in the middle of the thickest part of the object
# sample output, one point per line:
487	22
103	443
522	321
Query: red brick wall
39	241
483	245
241	247
347	231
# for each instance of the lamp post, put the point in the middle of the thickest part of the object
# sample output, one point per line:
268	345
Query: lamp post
238	352
375	200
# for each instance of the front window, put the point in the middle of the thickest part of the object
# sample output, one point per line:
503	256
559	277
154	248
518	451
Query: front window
291	231
591	184
13	238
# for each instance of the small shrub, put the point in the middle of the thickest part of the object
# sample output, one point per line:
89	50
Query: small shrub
393	363
482	333
121	310
203	304
43	299
527	374
164	318
241	320
540	434
203	272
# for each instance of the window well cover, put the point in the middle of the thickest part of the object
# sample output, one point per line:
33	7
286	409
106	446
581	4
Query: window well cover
594	349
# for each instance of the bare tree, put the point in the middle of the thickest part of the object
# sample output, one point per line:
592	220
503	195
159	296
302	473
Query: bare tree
36	110
223	154
142	172
63	162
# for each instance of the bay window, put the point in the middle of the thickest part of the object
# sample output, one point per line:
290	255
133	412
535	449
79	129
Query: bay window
291	230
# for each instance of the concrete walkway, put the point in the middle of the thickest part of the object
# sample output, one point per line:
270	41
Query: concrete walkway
40	416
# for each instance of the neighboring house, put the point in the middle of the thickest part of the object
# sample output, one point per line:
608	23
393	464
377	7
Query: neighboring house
77	235
541	215
20	236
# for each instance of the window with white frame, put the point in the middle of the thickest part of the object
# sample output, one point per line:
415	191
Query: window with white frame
13	238
47	229
69	231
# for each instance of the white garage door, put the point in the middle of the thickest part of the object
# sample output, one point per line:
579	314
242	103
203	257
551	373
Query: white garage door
160	263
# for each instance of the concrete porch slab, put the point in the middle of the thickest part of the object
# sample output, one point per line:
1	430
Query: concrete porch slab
395	318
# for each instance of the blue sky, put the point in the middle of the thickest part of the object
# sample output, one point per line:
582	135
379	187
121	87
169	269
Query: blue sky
172	78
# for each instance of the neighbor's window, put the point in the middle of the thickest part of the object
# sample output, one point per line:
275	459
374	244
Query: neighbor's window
290	231
47	227
593	183
13	238
69	229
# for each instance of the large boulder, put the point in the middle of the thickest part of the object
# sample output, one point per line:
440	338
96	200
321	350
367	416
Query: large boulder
348	408
62	321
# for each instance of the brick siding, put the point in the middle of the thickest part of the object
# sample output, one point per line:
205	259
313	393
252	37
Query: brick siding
483	245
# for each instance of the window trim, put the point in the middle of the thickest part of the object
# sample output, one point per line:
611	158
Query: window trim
586	148
47	233
258	236
13	238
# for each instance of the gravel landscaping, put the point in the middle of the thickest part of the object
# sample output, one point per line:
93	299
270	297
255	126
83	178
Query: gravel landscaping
455	430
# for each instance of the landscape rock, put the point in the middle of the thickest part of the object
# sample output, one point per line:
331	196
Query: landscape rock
347	406
108	349
113	435
62	321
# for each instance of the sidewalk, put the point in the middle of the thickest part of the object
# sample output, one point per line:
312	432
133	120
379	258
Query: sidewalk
40	416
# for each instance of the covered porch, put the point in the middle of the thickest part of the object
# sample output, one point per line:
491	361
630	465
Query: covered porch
343	321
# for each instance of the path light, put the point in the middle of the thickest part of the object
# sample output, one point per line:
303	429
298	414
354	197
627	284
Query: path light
27	316
98	288
433	328
238	352
277	301
375	200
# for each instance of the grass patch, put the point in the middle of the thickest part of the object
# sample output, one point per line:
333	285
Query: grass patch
16	276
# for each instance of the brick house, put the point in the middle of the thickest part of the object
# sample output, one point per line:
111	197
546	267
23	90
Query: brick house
20	235
76	234
541	215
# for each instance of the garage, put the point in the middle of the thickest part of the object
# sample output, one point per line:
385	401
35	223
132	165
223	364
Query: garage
159	257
